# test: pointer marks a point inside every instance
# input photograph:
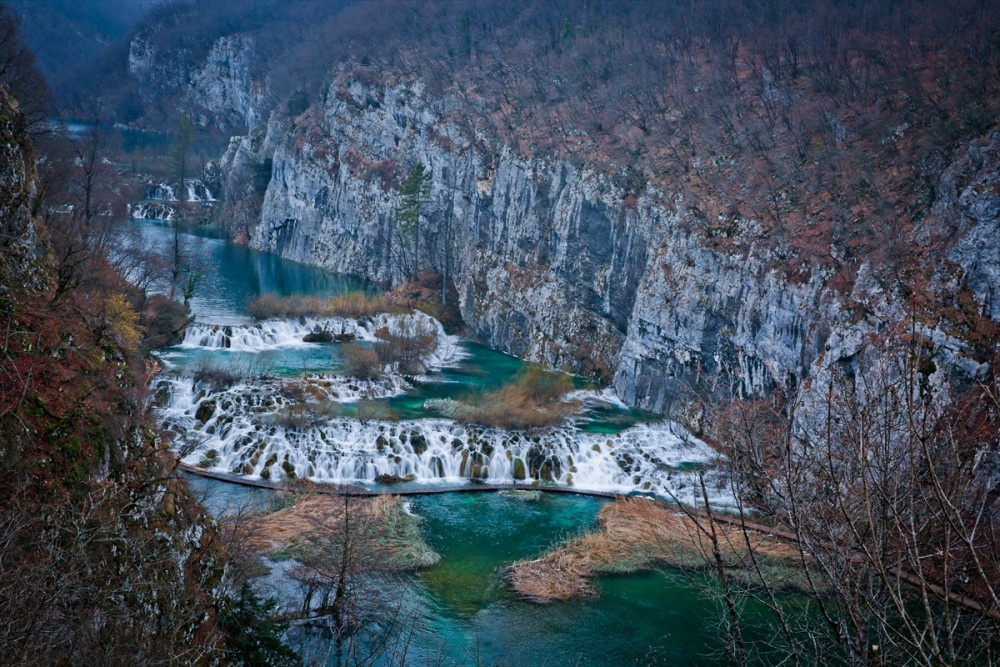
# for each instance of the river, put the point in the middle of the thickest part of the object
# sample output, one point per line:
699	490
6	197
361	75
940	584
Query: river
461	609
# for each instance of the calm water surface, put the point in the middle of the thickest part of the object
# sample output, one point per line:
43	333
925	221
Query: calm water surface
464	611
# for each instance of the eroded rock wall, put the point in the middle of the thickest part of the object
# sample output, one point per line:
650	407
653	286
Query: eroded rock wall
553	261
558	262
218	90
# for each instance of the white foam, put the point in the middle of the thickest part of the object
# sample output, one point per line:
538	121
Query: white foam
289	333
151	211
592	397
249	437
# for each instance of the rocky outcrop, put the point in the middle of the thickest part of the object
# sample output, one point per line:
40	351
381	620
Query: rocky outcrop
556	261
219	90
968	201
18	192
224	86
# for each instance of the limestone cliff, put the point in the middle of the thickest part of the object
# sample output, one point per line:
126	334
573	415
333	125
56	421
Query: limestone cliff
217	89
18	192
556	261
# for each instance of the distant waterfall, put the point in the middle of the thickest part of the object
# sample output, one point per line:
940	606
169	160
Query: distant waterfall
151	211
195	191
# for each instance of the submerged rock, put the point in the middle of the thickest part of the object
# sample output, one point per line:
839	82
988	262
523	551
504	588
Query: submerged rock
419	443
523	495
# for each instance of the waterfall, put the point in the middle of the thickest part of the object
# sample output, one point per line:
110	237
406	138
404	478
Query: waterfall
151	211
284	333
288	429
262	336
196	191
162	192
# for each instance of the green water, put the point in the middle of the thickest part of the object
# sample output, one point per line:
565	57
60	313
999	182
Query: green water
231	275
463	610
652	618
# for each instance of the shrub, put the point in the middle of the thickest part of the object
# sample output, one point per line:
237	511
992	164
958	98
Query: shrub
361	362
301	416
163	320
407	345
122	322
424	294
219	377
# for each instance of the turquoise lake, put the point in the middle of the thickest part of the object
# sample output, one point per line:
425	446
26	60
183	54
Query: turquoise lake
462	610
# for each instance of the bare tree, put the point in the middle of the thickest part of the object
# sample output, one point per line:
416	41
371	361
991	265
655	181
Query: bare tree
891	502
349	588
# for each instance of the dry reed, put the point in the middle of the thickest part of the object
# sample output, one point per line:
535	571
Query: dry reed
635	534
380	528
350	304
533	400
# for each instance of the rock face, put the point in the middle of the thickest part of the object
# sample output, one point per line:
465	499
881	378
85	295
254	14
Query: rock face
220	87
556	262
969	200
223	87
18	189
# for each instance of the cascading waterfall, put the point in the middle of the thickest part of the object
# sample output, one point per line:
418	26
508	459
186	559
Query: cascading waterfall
275	334
162	192
151	211
290	428
196	191
283	429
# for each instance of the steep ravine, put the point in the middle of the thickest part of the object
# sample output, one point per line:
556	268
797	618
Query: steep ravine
560	263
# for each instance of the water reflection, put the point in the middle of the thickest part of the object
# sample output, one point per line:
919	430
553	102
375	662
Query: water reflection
231	275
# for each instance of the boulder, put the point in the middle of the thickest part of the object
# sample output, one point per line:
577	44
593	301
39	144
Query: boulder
205	411
394	479
318	337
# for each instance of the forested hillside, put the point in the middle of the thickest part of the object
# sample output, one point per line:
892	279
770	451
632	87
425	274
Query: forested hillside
68	36
105	555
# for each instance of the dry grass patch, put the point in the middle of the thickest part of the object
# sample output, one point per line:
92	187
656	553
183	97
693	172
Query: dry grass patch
636	534
533	400
350	304
314	526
